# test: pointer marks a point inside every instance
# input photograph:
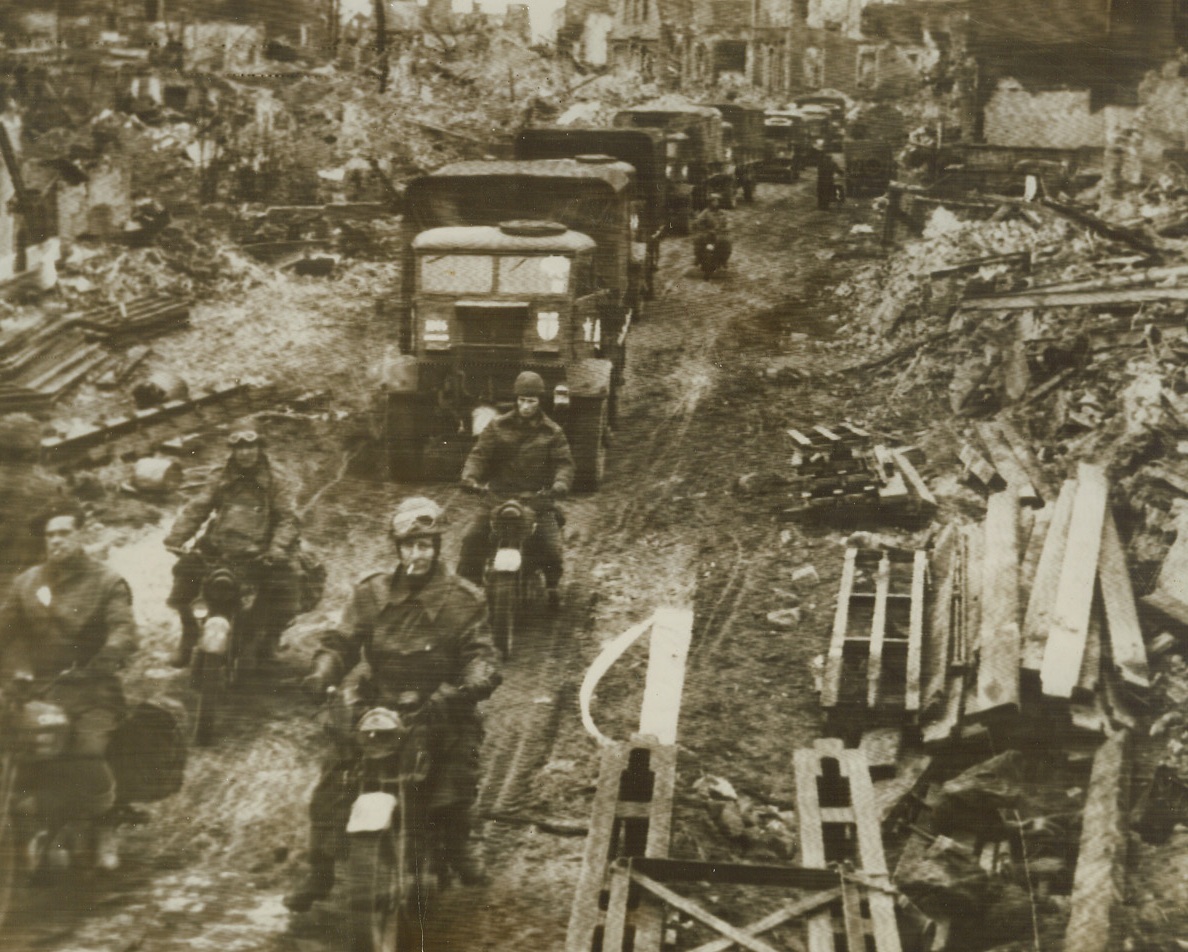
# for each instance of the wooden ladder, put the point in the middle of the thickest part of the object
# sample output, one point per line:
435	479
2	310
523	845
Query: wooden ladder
839	824
877	666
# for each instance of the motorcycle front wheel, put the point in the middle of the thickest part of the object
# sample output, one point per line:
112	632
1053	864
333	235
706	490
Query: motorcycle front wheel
503	594
379	920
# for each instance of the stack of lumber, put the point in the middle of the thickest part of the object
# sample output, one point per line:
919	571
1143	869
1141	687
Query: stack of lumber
1043	617
841	469
139	318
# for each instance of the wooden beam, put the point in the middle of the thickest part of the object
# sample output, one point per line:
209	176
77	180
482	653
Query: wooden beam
1046	579
1090	674
693	910
998	638
975	553
831	684
1008	466
1035	547
1099	880
935	667
911	700
793	910
1069	624
1128	236
878	631
913	477
1038	299
1128	652
672	631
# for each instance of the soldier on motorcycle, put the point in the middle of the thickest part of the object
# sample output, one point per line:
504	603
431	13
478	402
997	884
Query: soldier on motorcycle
712	225
254	523
522	451
416	628
67	628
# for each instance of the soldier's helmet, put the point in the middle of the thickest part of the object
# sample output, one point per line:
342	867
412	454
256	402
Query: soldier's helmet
529	384
417	517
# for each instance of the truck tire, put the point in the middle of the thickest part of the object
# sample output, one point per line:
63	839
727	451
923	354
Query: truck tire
748	188
729	197
682	218
402	439
588	444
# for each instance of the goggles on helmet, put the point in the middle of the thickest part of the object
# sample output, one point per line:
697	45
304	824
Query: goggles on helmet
244	438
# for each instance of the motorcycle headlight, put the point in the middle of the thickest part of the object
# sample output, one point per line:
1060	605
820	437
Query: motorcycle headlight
216	635
46	729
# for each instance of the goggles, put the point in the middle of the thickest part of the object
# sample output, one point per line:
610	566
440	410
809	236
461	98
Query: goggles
244	438
410	524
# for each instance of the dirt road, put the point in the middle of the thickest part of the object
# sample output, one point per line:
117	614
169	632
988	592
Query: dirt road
714	379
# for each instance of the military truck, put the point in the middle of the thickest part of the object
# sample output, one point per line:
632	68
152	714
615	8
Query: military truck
743	142
786	150
510	266
643	149
695	155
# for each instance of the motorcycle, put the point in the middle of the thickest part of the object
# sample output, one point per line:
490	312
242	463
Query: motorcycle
711	253
226	610
37	836
512	579
393	863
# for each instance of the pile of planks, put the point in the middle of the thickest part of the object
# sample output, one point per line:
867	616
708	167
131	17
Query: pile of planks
139	318
1042	618
1003	461
841	469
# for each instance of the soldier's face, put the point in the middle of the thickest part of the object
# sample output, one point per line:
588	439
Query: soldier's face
246	456
61	539
417	555
528	407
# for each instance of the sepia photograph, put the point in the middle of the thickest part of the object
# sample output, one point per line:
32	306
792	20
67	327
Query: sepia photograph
593	475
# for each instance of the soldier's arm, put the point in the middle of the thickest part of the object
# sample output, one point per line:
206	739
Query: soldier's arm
341	649
119	626
194	514
478	655
14	631
478	462
286	525
563	462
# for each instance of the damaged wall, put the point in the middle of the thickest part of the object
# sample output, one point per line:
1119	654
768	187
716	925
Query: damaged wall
99	206
1049	118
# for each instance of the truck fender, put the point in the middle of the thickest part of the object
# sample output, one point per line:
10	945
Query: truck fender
371	813
399	374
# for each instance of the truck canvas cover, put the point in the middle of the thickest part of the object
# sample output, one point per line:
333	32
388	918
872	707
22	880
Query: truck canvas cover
591	198
643	149
702	124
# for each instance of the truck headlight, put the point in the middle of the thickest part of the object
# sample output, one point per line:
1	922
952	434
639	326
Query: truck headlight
560	396
548	325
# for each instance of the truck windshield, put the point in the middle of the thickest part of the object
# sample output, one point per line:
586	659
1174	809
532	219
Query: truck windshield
539	274
468	274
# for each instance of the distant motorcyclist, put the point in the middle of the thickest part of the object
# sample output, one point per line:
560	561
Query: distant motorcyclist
522	451
827	172
67	627
253	523
415	628
712	225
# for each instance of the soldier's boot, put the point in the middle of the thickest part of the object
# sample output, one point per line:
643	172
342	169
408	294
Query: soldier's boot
189	638
316	884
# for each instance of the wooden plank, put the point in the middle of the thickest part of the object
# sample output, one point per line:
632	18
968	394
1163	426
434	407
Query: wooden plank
1021	447
1090	673
1099	880
672	630
649	917
614	937
585	915
878	631
979	467
1033	550
1008	466
914	480
915	632
935	664
855	925
1069	624
894	487
910	768
940	731
831	684
998	637
695	911
1128	652
975	548
1046	579
1123	296
793	910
